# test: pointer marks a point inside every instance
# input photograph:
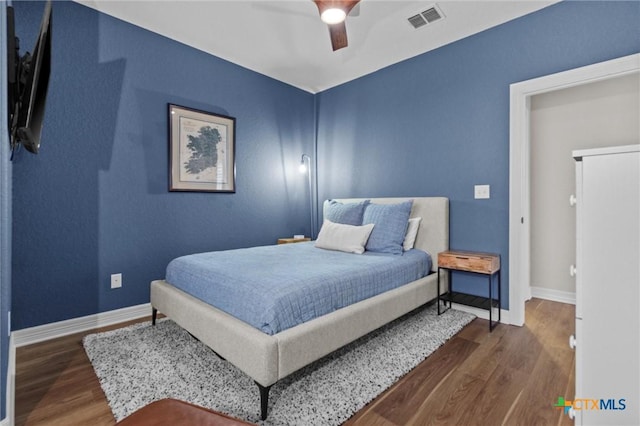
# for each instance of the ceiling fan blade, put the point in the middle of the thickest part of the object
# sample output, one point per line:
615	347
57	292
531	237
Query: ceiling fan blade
338	33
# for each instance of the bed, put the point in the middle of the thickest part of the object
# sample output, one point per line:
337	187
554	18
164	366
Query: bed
267	358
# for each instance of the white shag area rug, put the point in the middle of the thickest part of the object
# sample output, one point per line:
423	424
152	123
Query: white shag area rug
139	364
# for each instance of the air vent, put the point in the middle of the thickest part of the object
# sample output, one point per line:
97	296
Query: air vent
417	21
431	15
428	16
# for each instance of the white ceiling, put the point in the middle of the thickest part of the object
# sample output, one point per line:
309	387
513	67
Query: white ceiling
287	41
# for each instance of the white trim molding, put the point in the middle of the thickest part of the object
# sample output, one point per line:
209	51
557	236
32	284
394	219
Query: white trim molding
53	330
553	295
10	399
519	148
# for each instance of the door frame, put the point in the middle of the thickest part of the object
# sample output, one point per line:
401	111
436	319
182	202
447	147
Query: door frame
519	172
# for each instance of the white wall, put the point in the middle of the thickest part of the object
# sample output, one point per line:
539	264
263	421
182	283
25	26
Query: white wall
605	113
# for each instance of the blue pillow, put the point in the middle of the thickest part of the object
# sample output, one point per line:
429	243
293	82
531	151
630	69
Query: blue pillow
348	214
391	221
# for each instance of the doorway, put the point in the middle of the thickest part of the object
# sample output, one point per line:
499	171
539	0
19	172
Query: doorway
594	115
520	171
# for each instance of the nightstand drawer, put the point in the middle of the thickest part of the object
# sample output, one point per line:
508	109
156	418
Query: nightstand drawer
483	263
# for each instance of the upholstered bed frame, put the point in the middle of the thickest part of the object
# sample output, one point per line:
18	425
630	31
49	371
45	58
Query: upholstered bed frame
269	358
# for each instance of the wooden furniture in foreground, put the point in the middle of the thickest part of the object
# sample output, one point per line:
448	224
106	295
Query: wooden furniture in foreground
479	263
171	412
292	240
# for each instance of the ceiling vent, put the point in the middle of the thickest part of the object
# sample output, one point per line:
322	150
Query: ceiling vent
428	16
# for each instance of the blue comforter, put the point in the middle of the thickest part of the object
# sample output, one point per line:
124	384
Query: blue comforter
277	287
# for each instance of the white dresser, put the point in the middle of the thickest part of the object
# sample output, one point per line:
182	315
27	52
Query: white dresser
607	270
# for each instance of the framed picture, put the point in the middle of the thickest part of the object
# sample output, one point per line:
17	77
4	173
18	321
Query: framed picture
201	151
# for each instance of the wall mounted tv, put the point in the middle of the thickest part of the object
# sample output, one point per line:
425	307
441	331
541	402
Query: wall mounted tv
28	80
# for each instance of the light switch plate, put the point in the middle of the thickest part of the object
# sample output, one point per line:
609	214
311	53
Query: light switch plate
482	191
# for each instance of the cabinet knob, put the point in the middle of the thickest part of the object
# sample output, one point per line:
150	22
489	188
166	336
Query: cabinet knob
572	270
572	342
572	413
572	200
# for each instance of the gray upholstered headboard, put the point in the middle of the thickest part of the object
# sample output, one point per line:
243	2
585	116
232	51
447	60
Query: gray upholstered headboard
433	234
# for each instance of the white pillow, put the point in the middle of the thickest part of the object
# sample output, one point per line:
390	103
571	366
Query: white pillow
412	232
341	237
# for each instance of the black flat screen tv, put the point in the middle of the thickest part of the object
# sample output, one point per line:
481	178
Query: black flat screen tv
28	81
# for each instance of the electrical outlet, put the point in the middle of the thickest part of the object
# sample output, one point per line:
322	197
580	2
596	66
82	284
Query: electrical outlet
116	280
482	191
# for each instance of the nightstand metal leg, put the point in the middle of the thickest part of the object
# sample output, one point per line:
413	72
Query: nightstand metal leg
440	299
438	295
490	302
499	296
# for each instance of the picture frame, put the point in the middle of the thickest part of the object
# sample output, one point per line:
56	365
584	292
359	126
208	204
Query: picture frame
201	151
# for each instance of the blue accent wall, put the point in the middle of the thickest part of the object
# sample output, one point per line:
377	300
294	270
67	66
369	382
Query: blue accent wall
437	124
95	200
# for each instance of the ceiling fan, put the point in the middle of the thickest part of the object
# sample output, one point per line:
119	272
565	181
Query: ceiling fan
334	13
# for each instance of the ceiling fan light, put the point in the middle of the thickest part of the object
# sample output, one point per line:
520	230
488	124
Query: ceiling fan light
333	15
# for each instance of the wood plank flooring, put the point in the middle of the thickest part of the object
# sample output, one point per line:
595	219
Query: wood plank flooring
512	376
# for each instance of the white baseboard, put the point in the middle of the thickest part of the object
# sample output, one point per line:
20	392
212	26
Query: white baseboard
11	386
553	295
28	336
483	313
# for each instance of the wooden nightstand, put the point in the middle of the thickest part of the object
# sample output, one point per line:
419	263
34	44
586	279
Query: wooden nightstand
292	240
480	263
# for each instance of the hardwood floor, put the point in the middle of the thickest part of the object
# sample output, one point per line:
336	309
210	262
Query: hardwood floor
512	376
